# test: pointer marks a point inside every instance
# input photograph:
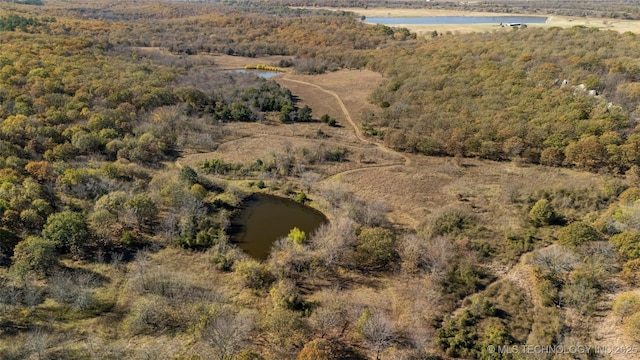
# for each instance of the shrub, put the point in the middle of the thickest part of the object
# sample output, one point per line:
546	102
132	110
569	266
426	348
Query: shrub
628	244
285	294
198	191
631	272
297	236
74	289
632	325
376	247
632	194
451	222
151	316
302	198
542	213
222	256
247	355
576	234
254	274
285	332
462	279
338	154
318	349
188	174
626	304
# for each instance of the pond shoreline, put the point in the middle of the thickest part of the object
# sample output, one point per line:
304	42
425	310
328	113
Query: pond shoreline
261	219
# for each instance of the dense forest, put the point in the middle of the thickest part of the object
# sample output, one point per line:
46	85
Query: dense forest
111	247
517	95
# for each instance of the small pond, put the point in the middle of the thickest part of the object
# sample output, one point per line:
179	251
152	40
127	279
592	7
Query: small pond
263	219
261	73
456	20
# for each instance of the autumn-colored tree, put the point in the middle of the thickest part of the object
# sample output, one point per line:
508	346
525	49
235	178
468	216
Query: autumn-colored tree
40	170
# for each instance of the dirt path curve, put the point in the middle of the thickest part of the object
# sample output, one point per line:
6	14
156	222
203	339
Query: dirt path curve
406	161
356	129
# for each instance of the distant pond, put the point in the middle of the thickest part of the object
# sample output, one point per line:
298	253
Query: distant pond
261	73
456	20
263	219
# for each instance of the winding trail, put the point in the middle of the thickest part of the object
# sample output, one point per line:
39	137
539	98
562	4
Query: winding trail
358	132
406	161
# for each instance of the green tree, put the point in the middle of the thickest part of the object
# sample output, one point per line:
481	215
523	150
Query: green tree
586	153
34	254
144	209
285	113
495	335
66	229
304	114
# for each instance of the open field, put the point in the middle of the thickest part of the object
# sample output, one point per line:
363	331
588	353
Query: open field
428	185
415	193
553	20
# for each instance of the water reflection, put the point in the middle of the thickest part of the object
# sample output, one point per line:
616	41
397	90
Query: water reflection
261	73
263	219
456	20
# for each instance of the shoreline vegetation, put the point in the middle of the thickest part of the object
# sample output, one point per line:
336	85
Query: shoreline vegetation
482	185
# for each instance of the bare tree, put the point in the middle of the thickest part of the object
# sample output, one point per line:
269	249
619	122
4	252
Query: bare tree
377	333
32	293
331	319
309	179
37	341
334	242
439	252
75	289
370	214
555	261
227	333
431	255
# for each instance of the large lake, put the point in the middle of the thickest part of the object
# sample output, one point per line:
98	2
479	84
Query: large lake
263	219
454	20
